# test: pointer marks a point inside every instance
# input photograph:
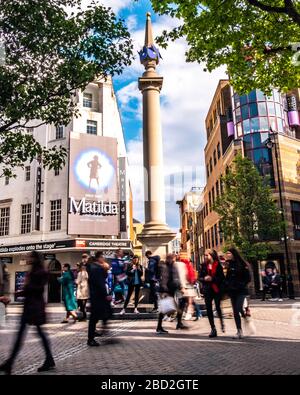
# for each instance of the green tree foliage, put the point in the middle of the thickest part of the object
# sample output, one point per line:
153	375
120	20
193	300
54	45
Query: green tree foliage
249	217
50	48
255	40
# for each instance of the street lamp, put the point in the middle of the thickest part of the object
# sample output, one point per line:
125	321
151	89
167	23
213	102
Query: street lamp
272	143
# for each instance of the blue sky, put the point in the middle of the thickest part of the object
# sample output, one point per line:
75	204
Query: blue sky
185	99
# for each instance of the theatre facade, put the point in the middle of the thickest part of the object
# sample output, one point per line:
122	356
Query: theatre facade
84	207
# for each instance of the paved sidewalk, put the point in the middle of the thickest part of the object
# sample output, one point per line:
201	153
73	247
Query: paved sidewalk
274	349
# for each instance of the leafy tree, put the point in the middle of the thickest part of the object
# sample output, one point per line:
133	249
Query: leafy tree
248	214
257	40
50	48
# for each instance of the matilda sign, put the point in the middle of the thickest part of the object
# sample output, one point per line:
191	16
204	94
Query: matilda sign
93	194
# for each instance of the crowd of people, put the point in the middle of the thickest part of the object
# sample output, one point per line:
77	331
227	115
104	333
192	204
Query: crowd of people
174	287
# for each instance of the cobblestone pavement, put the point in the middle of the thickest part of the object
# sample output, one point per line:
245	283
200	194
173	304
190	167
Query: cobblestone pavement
274	349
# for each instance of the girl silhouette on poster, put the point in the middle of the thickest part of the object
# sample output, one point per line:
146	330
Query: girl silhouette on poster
95	166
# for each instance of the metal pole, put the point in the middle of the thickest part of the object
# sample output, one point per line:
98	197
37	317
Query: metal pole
290	285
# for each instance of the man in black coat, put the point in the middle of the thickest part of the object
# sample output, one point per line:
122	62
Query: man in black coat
100	301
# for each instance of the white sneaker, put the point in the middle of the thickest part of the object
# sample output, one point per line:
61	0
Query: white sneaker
280	300
136	311
239	335
188	317
122	312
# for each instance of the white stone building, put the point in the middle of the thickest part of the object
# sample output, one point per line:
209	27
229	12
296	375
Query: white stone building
38	220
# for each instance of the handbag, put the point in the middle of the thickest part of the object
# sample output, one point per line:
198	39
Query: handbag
166	305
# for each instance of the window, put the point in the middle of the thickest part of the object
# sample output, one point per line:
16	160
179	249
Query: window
91	127
217	189
239	129
219	150
260	96
220	234
210	165
207	170
264	124
30	130
59	132
56	172
87	100
208	238
206	209
245	112
6	182
238	115
295	206
215	157
252	96
213	195
246	126
25	218
253	110
55	217
209	199
4	221
243	99
254	125
219	107
27	173
271	108
216	234
221	186
262	109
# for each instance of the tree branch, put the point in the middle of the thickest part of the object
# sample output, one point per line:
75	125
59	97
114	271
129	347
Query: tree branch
267	8
289	9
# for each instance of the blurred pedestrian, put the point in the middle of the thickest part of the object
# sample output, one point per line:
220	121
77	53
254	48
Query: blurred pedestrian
99	298
237	280
33	312
68	293
189	288
169	285
134	278
82	292
151	277
212	279
119	267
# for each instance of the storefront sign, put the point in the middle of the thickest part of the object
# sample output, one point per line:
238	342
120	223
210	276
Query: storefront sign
37	246
19	285
38	198
122	193
74	243
93	194
107	244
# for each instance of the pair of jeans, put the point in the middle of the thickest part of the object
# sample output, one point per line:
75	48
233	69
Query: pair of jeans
237	302
136	288
209	297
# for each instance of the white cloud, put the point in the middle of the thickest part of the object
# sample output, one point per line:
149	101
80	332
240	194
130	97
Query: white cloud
131	22
185	98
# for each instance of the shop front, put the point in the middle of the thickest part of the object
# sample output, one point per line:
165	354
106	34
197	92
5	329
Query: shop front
55	254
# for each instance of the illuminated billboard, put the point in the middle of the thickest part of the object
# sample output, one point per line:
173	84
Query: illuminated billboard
93	207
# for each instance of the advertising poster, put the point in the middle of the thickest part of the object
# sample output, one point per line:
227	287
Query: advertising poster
290	160
93	207
19	285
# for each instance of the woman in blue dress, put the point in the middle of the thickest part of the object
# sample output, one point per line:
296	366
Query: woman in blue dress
68	293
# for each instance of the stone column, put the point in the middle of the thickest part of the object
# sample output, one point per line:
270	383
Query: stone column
156	234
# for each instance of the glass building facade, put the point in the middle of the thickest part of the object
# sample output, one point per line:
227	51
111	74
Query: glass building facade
253	116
